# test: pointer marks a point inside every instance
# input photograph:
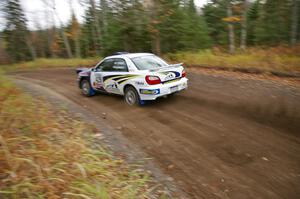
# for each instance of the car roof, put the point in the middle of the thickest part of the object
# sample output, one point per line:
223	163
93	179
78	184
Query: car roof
129	55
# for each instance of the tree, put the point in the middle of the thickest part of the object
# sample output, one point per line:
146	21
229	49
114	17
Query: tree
16	33
196	30
176	25
104	13
4	59
160	26
253	15
51	5
157	13
214	12
96	25
294	24
244	25
230	28
273	24
74	33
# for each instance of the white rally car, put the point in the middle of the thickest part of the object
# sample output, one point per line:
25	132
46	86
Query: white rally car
136	76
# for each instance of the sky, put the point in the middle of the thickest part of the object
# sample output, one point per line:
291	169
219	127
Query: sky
35	11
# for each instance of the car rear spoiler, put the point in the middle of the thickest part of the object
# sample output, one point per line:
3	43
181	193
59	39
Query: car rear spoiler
165	67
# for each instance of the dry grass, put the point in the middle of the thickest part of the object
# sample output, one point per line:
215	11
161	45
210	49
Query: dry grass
283	59
280	58
47	154
51	63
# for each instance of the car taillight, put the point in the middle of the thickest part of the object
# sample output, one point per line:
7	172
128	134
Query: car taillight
151	80
183	73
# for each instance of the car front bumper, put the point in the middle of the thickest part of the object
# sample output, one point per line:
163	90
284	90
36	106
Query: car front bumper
155	91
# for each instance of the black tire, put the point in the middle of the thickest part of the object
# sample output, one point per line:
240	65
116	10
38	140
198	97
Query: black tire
131	96
86	88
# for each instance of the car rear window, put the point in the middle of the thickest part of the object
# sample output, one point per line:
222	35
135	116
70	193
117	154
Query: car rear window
148	62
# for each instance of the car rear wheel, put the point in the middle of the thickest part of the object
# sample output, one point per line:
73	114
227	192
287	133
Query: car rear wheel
86	88
132	97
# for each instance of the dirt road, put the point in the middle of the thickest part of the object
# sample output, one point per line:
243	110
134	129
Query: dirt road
222	138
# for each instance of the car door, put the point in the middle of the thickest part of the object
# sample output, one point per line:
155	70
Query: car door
97	74
110	72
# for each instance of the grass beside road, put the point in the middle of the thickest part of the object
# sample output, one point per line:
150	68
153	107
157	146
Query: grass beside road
281	59
278	59
47	154
51	63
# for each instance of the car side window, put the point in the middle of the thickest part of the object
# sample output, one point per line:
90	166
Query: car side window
119	65
106	65
112	65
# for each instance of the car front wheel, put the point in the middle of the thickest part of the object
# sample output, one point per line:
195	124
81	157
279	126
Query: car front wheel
86	88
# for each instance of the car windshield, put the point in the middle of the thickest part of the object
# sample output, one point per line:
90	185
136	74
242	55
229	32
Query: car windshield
148	62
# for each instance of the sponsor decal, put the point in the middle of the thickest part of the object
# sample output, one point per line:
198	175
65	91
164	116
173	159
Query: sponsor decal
112	86
98	85
170	81
139	83
119	78
109	77
177	74
170	76
150	91
98	79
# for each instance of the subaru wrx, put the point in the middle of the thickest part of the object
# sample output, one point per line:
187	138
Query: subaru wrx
137	76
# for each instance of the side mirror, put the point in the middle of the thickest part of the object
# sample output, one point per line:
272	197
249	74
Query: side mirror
93	69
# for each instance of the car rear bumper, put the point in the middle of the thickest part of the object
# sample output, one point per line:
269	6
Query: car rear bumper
156	91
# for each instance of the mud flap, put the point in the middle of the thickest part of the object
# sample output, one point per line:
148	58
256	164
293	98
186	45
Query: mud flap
92	91
142	102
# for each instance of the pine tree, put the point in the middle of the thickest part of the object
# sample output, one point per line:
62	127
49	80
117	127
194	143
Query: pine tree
88	38
4	59
196	34
294	23
96	25
178	26
214	12
73	34
273	24
15	32
254	13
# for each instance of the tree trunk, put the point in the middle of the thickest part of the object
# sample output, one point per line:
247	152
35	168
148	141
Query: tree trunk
154	7
31	48
157	49
230	29
4	59
97	26
244	26
62	30
50	38
66	42
50	32
77	47
104	15
294	26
